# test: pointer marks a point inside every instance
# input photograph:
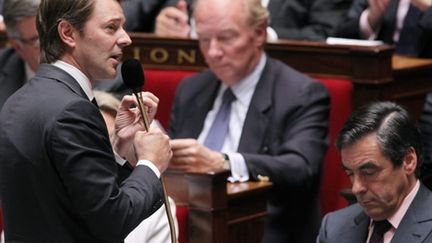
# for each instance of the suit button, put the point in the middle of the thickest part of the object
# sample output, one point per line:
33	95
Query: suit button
265	149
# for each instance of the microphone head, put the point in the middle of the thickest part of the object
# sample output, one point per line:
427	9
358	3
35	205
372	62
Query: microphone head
133	74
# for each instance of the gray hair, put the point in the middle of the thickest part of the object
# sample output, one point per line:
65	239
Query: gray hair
16	10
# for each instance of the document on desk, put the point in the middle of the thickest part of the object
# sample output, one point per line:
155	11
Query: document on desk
352	42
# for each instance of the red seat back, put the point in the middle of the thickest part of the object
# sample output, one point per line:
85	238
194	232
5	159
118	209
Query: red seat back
334	178
163	84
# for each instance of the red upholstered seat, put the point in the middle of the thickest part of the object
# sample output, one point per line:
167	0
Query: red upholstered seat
334	178
182	214
163	84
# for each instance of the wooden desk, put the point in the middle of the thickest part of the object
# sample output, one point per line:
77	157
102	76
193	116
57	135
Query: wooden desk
374	71
219	211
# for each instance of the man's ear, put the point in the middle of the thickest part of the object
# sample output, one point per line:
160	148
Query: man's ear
18	48
410	161
67	33
261	34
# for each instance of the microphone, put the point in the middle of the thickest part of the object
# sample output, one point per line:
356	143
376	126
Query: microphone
133	77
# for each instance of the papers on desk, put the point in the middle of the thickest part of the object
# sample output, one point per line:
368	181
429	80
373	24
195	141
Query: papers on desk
352	42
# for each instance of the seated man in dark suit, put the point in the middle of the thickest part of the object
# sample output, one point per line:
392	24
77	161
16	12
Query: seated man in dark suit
407	24
294	19
382	152
19	62
253	115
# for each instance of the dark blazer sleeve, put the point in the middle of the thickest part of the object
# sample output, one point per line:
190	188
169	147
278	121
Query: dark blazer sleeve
306	20
349	27
84	160
141	14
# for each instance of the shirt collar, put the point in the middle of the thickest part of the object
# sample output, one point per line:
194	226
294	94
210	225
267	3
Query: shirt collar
242	88
79	76
28	72
400	213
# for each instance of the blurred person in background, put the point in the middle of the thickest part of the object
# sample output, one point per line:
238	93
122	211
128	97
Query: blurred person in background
254	116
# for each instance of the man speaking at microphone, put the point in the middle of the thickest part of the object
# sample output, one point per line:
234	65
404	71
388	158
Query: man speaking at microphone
60	179
253	115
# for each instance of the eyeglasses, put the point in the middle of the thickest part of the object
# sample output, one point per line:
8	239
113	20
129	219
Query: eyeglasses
32	41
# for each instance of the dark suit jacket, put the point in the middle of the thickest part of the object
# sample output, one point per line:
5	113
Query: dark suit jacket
304	19
284	137
414	40
58	176
12	73
141	14
351	224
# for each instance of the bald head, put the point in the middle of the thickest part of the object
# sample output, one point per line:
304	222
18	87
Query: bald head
250	11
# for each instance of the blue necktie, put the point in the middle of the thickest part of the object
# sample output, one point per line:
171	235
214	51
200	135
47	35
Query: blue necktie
219	129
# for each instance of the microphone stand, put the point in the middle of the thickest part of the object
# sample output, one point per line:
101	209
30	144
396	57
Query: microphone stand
146	124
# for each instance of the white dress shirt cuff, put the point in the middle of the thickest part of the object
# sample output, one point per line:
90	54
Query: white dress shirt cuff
366	30
239	171
151	165
119	159
145	162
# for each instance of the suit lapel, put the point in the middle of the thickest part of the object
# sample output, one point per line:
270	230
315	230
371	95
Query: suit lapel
258	115
416	225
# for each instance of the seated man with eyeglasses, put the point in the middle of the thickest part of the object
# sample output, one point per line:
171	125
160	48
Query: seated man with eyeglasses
19	62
